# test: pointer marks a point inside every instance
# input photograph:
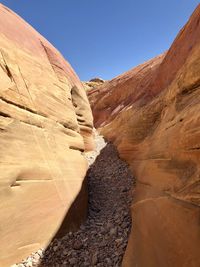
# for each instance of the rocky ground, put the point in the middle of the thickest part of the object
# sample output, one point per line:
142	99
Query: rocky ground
102	239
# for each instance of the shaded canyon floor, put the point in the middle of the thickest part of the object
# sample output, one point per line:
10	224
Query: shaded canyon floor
101	241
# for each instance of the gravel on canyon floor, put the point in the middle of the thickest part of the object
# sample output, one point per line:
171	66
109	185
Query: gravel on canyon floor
101	241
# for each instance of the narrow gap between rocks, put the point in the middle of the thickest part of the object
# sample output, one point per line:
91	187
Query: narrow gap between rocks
101	241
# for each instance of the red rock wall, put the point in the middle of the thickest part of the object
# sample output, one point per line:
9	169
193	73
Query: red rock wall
152	114
45	124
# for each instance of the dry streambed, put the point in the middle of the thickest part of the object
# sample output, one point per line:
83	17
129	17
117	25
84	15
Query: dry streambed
101	241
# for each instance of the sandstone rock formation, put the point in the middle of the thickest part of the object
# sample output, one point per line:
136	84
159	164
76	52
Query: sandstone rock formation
93	83
152	114
45	124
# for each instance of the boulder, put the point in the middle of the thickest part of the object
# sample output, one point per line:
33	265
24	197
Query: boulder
45	125
152	114
93	83
97	80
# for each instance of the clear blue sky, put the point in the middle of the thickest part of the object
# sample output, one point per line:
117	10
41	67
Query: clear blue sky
106	37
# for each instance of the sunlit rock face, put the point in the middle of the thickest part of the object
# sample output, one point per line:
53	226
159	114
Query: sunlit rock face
45	124
92	84
152	114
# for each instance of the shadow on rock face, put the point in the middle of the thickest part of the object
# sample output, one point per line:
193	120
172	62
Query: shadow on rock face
76	214
102	239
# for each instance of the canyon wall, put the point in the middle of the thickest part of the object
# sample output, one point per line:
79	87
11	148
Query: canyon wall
152	114
45	125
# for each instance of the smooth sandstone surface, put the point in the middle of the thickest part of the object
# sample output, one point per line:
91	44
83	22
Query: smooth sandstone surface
45	124
152	114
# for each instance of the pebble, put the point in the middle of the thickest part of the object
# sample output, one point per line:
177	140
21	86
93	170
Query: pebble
77	244
108	261
65	252
55	248
94	259
113	231
73	261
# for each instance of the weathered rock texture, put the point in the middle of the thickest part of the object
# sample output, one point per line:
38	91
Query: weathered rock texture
152	114
45	123
93	83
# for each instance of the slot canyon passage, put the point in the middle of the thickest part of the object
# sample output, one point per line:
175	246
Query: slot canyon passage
126	194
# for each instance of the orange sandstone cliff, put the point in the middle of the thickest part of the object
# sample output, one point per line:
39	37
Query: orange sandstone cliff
152	114
45	124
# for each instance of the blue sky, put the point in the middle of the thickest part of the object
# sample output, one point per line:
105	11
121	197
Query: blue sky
103	38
